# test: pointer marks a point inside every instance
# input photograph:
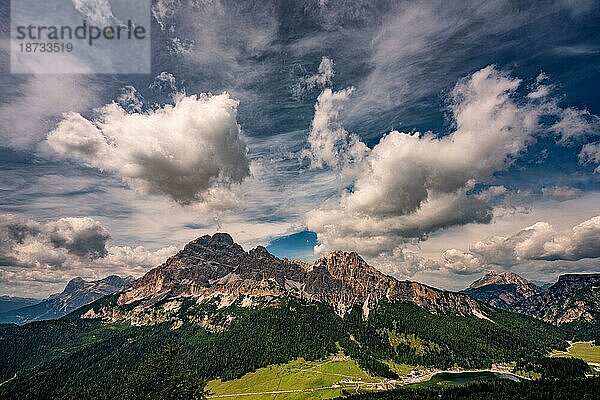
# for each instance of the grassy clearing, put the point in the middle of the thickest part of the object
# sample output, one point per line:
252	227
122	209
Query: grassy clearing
400	369
587	351
297	374
528	374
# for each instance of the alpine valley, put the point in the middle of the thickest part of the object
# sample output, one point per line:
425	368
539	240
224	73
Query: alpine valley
230	314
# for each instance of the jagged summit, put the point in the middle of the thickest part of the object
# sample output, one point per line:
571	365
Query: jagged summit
572	298
78	283
502	289
499	278
217	266
74	284
222	238
351	258
261	251
216	242
342	262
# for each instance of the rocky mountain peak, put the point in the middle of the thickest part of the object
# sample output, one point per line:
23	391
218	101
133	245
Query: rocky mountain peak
574	297
499	278
502	289
342	264
351	258
74	285
115	280
216	266
216	242
80	287
261	252
224	238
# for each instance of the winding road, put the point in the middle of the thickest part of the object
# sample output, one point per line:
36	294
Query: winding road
8	380
216	396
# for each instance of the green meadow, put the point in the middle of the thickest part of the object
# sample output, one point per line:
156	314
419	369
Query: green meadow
587	351
295	375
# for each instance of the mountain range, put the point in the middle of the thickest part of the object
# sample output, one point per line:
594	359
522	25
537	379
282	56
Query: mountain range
76	294
232	311
215	266
572	302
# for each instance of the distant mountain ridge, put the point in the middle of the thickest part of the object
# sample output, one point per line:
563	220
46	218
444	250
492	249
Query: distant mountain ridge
574	297
9	303
574	300
499	278
76	294
502	289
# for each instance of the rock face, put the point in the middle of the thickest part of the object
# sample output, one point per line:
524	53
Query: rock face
499	278
76	294
502	290
573	298
216	266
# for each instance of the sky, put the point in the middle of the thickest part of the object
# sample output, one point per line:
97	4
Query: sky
439	140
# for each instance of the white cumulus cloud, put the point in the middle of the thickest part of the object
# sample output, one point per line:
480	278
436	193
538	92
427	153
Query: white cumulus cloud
329	143
191	151
49	96
412	184
538	242
42	253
